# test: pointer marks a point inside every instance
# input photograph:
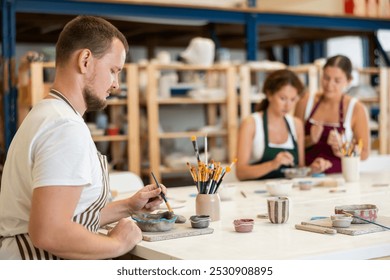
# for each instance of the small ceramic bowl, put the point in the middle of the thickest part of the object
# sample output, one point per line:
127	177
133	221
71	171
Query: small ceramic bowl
200	221
296	172
366	211
227	192
341	220
243	225
279	187
305	185
155	222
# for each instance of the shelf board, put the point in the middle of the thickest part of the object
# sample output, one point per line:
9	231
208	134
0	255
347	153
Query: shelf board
369	99
189	134
369	70
177	66
116	101
101	138
189	100
168	170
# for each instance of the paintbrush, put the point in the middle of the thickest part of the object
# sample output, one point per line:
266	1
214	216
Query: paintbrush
233	162
339	141
226	170
205	150
367	221
162	194
195	144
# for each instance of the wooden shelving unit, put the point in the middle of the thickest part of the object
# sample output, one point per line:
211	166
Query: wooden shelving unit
33	87
224	109
382	143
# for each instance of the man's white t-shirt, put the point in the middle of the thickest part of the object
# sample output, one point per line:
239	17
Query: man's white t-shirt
52	147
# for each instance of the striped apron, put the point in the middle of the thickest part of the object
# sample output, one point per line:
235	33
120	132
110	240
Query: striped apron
90	218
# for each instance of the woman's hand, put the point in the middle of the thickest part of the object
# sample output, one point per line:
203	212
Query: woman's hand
335	142
146	199
319	165
283	158
315	133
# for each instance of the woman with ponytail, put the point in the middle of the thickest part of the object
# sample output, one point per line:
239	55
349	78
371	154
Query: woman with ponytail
271	138
331	117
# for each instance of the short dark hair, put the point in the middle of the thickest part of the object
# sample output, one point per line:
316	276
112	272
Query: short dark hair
87	32
342	62
275	81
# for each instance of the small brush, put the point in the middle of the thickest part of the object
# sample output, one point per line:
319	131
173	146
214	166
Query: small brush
195	144
162	194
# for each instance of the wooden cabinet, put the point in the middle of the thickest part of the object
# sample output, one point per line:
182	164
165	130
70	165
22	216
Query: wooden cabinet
251	93
222	109
35	80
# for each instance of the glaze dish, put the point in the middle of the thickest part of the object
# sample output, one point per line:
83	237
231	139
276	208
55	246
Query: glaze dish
305	185
243	225
296	172
155	222
279	187
200	221
341	220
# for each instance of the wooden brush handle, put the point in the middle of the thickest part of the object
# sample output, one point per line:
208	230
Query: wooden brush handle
316	229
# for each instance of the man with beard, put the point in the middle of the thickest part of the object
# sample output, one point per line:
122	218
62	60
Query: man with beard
55	182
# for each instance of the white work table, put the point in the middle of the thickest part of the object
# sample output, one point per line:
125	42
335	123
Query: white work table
270	241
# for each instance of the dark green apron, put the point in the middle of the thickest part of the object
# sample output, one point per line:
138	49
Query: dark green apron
270	152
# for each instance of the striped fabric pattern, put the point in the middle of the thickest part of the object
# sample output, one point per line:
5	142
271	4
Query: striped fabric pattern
90	219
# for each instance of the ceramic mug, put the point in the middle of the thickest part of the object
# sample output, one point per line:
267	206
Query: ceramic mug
350	168
208	204
278	209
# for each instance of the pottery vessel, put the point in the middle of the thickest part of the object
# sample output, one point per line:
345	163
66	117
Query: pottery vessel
296	172
200	221
278	209
341	220
243	225
305	185
366	211
227	192
155	222
208	204
279	187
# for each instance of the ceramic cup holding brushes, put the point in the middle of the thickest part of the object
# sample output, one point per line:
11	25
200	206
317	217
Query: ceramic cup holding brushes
207	177
208	204
350	160
350	168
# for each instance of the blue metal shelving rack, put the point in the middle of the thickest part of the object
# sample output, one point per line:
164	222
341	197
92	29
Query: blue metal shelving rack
250	18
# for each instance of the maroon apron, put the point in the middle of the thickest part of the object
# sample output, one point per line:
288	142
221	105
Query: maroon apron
322	148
